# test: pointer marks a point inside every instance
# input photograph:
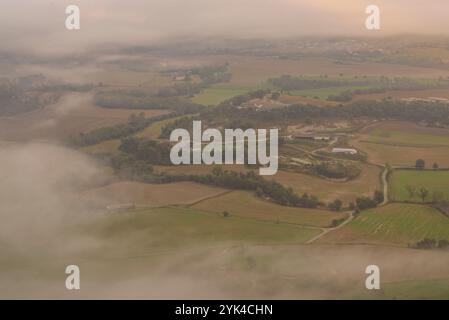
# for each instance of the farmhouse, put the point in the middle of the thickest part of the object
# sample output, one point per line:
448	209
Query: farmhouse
344	150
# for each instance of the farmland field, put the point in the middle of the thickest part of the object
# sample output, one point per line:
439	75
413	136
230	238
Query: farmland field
399	224
75	113
402	94
253	70
154	130
218	93
150	194
177	226
409	290
292	99
402	143
245	204
406	134
324	93
328	190
104	147
434	181
404	156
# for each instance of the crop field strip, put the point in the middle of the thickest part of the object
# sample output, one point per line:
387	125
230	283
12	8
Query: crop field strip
399	224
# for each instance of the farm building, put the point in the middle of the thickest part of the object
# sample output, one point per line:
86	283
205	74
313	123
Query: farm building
312	137
344	150
180	78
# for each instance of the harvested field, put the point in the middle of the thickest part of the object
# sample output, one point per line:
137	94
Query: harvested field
150	194
327	190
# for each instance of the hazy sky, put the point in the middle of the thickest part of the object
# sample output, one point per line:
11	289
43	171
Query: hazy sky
38	25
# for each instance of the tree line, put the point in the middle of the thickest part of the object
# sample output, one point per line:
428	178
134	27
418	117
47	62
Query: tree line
434	113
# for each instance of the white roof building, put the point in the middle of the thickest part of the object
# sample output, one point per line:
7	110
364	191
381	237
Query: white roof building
344	150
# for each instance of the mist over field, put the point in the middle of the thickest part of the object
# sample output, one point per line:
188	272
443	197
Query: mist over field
35	26
86	178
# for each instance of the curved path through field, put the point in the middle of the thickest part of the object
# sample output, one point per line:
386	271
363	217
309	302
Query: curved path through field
327	230
385	185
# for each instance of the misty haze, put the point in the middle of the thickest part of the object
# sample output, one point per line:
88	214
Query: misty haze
86	177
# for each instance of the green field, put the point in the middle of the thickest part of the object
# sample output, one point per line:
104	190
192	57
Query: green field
104	147
407	138
437	182
179	226
400	224
408	290
245	204
218	93
154	130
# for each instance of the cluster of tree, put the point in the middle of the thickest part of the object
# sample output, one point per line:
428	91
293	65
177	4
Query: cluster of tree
430	244
188	89
208	75
135	124
212	74
420	164
128	167
336	170
18	97
240	99
433	113
336	222
423	193
335	205
363	203
251	181
140	100
150	151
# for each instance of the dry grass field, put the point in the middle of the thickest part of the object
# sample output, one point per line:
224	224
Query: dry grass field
105	147
253	70
73	114
402	94
327	190
402	143
126	192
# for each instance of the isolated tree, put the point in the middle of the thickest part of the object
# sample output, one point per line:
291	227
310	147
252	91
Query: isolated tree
423	193
411	191
378	196
275	95
420	164
435	166
226	214
336	205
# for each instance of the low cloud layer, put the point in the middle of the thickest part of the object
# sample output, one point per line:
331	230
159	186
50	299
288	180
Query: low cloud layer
38	25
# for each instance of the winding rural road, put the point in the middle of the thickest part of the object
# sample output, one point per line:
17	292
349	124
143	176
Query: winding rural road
326	231
385	186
